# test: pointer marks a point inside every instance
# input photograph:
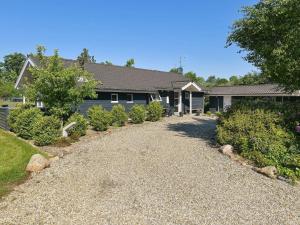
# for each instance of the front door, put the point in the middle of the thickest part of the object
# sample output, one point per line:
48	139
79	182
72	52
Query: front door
177	102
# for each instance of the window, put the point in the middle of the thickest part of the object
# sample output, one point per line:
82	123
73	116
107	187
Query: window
187	95
155	97
39	104
129	98
114	98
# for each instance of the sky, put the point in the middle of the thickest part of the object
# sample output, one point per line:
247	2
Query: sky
155	33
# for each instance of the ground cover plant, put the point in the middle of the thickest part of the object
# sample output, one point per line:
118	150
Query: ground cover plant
264	133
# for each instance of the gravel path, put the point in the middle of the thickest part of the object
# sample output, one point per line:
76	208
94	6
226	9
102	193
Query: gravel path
155	173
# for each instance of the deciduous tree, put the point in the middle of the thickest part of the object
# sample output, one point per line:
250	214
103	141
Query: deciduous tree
269	32
60	88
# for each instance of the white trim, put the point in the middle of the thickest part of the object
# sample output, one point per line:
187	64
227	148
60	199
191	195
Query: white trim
117	98
168	100
156	97
28	60
39	104
191	84
180	102
191	102
131	98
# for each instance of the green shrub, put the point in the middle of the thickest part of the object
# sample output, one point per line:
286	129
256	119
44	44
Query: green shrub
46	130
154	111
208	113
119	115
12	118
262	135
25	121
218	114
79	129
99	118
137	114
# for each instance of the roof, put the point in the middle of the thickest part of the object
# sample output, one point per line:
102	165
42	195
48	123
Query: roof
114	78
250	90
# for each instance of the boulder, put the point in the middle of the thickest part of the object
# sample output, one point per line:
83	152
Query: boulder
37	163
226	150
269	171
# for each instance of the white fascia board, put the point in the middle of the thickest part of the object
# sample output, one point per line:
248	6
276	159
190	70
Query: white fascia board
28	60
191	84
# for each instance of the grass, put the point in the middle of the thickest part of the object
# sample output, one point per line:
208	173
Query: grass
9	103
14	156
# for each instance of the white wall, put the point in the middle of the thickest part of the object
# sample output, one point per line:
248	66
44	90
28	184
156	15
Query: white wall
227	102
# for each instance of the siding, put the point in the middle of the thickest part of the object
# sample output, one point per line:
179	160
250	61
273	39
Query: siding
104	99
3	118
198	100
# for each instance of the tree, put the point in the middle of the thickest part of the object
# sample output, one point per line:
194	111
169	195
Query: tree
253	78
178	70
107	63
193	77
60	88
234	80
269	31
130	63
221	82
11	67
85	57
7	90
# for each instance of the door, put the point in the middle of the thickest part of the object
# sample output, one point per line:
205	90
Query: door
177	102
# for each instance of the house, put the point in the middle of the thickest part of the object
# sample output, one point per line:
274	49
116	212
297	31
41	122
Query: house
129	86
223	97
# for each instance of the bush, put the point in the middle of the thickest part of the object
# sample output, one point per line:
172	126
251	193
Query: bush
154	111
137	114
218	114
119	115
79	129
99	118
14	113
208	113
261	135
46	130
25	121
12	118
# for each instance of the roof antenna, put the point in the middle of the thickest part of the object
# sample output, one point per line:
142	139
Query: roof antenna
180	68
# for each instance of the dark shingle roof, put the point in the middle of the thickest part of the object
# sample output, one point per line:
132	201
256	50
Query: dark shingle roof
248	90
125	78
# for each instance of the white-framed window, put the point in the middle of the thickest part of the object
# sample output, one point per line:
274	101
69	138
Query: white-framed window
129	98
187	95
39	104
114	98
156	97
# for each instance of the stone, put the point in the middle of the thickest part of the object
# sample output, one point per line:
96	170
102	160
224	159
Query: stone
226	150
37	163
53	159
269	171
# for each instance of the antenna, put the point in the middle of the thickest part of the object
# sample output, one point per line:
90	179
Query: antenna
180	65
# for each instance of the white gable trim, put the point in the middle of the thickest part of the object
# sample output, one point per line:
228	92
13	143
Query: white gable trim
191	84
28	61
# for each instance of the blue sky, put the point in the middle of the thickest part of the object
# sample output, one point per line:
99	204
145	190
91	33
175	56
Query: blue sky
155	33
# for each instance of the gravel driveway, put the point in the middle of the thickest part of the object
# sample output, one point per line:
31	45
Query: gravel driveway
155	173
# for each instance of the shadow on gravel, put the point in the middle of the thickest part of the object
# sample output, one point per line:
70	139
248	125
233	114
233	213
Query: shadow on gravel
199	128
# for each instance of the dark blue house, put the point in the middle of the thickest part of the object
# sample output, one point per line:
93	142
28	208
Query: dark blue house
129	86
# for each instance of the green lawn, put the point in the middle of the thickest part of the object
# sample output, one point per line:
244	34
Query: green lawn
9	103
14	156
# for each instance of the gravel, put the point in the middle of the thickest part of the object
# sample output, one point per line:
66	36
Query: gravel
155	173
